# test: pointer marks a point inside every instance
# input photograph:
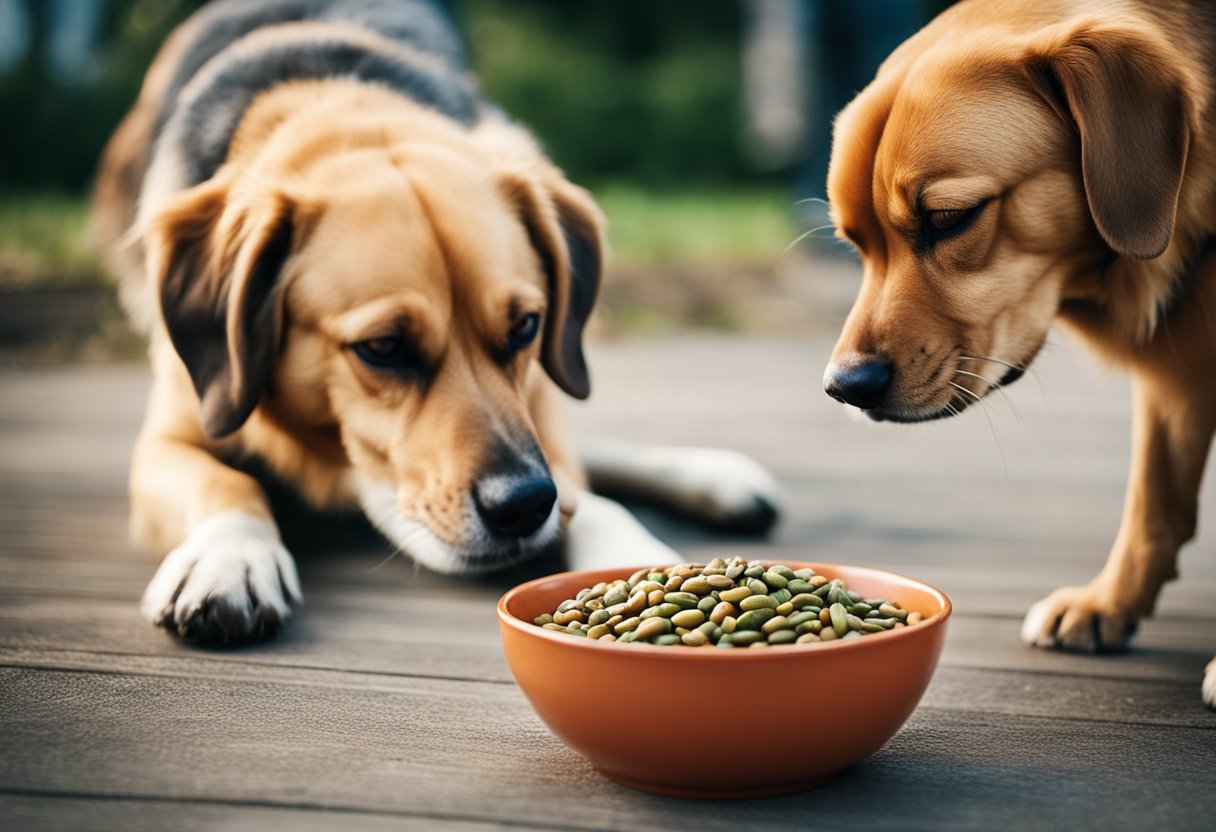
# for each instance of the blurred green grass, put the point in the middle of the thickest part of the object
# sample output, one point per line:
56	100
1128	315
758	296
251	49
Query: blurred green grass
746	227
42	236
42	242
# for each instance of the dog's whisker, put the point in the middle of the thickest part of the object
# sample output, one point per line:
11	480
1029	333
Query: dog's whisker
805	234
401	545
965	390
991	427
999	388
994	384
383	563
1019	367
822	202
1023	368
511	560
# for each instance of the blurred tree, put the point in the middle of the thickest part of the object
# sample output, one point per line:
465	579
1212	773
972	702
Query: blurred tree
59	107
627	89
633	88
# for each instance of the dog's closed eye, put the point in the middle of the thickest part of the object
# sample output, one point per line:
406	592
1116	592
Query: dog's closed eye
946	219
938	224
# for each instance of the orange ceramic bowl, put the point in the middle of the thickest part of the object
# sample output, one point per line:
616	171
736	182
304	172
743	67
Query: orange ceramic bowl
815	708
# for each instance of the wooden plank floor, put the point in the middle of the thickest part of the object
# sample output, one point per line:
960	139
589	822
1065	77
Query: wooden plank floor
388	703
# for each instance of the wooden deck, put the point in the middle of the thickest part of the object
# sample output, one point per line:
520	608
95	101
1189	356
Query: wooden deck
388	705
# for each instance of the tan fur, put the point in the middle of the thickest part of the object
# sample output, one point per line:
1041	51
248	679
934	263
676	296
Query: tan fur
1088	125
399	214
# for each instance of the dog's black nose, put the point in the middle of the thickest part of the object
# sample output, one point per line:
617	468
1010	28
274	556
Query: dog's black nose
858	380
517	507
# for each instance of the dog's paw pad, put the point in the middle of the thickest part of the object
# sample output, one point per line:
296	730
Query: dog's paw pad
220	620
1070	619
1209	685
231	581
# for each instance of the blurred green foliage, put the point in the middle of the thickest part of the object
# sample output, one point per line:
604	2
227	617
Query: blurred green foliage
42	241
42	234
56	131
695	225
634	89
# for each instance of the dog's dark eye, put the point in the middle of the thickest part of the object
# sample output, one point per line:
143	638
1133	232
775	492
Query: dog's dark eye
523	332
941	223
388	353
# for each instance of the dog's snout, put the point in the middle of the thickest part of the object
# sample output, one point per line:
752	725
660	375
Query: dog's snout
517	508
858	380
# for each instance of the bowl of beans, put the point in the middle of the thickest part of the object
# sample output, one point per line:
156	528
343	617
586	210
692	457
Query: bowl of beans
769	677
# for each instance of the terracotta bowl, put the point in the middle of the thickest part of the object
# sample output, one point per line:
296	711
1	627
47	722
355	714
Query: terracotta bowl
814	709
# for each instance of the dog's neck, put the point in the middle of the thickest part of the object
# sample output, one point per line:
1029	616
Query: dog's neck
1122	303
1185	277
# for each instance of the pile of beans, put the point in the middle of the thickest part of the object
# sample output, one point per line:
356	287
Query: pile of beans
722	603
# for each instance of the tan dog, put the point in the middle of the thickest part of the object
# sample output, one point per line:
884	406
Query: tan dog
359	273
1017	163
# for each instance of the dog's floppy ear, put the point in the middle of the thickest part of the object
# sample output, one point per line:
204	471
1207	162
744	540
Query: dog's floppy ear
217	271
1127	100
566	228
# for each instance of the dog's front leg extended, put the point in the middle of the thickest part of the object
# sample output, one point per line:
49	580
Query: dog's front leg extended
721	487
603	534
1173	424
599	533
228	578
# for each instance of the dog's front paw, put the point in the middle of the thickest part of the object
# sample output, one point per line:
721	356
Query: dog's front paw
1080	619
1209	685
232	581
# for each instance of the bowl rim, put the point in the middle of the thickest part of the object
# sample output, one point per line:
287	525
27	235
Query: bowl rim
695	654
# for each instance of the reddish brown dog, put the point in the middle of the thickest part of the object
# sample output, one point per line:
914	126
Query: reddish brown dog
1018	163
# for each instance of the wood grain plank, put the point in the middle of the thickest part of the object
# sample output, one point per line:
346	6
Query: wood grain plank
992	577
72	813
999	691
388	702
382	633
476	751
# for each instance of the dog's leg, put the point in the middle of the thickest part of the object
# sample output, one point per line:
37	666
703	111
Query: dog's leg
229	579
603	534
1173	426
724	488
1209	685
599	533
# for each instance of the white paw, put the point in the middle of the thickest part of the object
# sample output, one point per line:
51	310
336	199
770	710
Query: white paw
1209	685
231	581
603	534
721	487
1077	619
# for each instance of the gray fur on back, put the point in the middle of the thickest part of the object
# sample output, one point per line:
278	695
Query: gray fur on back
200	121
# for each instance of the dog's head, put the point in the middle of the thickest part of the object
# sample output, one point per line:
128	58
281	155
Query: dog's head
988	176
395	312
